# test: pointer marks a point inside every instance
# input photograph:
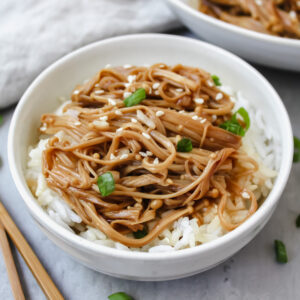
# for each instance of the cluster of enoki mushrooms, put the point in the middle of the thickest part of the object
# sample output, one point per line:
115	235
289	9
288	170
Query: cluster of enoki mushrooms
275	17
155	184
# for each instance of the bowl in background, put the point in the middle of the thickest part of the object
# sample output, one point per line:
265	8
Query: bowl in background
59	80
268	50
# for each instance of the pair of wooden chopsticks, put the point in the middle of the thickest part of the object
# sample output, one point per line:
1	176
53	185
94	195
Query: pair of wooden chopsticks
40	274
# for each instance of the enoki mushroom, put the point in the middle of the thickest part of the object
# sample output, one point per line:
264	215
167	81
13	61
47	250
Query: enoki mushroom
155	184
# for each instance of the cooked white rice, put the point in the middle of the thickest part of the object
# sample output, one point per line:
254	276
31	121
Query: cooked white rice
259	143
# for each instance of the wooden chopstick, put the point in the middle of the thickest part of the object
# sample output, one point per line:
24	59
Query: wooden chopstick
40	274
10	266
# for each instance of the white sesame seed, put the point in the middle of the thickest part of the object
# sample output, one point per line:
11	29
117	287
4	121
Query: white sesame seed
179	90
112	156
245	195
107	66
126	94
293	14
146	135
97	85
194	117
203	121
169	181
119	129
133	120
144	154
213	155
258	2
219	96
127	66
99	92
100	124
156	161
96	155
124	156
149	153
199	100
118	112
131	78
112	101
76	92
155	85
209	83
104	118
156	92
159	113
77	123
213	118
181	111
43	128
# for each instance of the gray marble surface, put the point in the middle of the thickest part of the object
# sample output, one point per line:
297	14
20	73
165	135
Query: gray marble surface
250	274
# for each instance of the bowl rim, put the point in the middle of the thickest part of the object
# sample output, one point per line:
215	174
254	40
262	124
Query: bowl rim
234	28
85	245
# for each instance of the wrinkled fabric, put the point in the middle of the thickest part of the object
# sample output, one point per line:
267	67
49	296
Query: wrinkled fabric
33	34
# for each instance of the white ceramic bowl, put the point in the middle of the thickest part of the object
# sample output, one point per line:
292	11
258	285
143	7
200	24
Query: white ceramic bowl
277	52
62	76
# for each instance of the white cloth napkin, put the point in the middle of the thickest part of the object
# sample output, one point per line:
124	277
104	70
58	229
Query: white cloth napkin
33	34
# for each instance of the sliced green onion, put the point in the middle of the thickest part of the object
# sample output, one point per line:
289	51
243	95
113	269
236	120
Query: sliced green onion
298	221
234	128
281	255
184	145
134	99
296	150
244	114
106	184
233	124
119	296
140	233
216	80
